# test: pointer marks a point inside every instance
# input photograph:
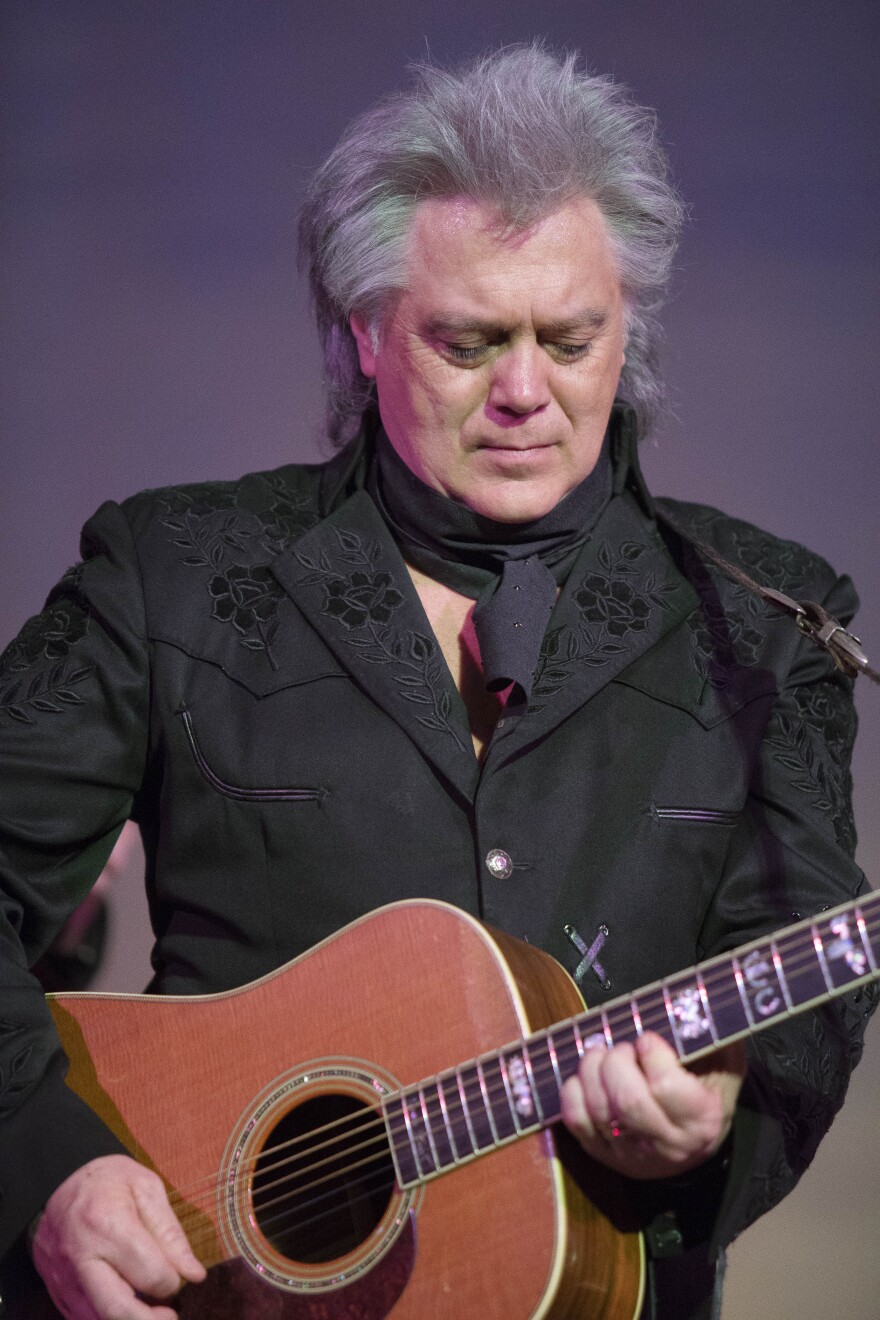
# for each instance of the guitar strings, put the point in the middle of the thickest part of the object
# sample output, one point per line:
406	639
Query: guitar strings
542	1075
620	1019
652	1011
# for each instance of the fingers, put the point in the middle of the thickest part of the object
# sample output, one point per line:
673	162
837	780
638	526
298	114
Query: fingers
637	1110
162	1225
107	1234
100	1293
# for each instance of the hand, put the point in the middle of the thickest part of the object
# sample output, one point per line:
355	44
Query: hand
638	1111
108	1233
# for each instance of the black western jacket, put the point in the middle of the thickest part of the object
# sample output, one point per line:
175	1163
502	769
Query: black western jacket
245	668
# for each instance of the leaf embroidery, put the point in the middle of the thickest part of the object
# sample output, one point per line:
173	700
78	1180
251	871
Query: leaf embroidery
233	545
363	601
613	605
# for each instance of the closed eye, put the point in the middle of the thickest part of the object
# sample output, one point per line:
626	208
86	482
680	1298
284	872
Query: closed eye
569	352
465	353
474	354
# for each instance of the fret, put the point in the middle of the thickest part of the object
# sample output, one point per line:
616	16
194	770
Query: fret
569	1049
540	1066
761	984
606	1029
519	1089
426	1124
470	1089
419	1136
475	1145
636	1015
863	932
819	949
498	1097
725	989
486	1098
553	1054
848	955
435	1122
402	1150
530	1078
743	992
510	1115
689	1022
780	975
447	1122
707	1007
594	1039
457	1119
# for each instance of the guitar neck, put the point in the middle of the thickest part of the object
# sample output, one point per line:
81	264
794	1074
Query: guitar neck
470	1110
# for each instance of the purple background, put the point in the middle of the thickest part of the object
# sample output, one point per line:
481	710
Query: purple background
155	328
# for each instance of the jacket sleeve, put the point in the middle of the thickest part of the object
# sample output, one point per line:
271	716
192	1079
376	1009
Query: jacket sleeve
73	740
791	857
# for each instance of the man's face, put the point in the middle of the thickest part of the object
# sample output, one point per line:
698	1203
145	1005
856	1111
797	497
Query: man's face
497	367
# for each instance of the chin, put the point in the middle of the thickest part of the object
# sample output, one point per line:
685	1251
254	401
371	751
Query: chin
514	506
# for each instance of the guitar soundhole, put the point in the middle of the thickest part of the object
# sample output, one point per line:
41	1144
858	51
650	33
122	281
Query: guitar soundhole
323	1179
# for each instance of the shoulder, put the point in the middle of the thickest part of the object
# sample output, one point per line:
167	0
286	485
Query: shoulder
203	551
785	565
272	508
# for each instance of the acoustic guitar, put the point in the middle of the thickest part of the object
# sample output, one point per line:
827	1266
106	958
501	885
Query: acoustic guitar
321	1131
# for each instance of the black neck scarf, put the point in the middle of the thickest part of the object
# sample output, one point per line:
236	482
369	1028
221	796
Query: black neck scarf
512	570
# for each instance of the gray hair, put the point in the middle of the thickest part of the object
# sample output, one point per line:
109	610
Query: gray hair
519	130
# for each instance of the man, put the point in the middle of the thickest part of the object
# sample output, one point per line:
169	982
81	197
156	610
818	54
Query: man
619	754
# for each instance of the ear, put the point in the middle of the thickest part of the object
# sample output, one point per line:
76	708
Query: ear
364	340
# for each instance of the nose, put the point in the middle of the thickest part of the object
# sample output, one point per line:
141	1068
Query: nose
520	382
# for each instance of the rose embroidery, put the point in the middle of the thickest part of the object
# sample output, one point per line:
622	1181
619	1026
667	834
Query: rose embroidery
49	636
219	531
613	605
361	598
723	642
245	597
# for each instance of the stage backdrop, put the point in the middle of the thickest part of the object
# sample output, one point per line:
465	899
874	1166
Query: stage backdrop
155	329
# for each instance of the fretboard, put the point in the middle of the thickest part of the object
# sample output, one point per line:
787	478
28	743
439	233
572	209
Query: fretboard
487	1102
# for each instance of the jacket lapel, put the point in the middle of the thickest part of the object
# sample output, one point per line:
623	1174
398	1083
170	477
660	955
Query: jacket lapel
347	577
622	596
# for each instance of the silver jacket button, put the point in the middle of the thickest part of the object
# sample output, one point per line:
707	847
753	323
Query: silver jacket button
499	863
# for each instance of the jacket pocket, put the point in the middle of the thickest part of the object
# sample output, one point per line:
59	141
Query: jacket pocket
268	794
695	815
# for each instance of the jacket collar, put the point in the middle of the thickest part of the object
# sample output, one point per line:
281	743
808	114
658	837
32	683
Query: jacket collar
348	578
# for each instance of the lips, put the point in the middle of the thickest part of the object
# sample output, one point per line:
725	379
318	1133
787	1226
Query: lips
530	448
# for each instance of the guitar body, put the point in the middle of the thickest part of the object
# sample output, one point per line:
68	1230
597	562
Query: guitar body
196	1087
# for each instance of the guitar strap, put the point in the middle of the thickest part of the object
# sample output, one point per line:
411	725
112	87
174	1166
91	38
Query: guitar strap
812	619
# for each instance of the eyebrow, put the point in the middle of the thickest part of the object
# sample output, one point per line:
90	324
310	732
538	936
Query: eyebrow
590	320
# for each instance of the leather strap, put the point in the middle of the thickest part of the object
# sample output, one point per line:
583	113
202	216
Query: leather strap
812	619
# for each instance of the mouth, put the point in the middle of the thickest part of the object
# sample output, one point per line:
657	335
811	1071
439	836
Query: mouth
512	453
524	446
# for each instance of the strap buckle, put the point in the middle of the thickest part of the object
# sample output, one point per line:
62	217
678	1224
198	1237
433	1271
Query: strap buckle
816	623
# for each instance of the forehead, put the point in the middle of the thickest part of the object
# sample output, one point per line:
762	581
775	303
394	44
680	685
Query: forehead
462	258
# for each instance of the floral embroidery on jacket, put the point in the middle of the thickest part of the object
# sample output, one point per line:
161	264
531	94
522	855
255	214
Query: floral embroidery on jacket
248	599
363	600
613	604
803	1072
48	636
724	640
814	741
235	543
